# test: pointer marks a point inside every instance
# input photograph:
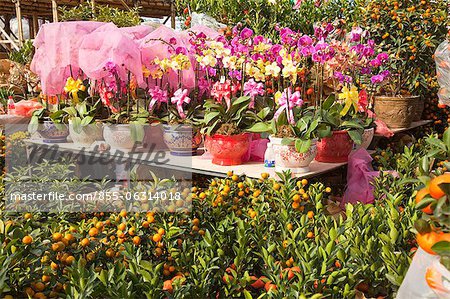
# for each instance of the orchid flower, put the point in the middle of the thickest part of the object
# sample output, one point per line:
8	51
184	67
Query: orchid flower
253	89
179	98
295	100
224	91
203	87
158	96
350	98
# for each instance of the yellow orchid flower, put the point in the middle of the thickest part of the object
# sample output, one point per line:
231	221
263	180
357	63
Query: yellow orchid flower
350	98
73	87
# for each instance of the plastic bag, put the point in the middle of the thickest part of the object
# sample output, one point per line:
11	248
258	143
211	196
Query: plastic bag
204	19
442	58
416	285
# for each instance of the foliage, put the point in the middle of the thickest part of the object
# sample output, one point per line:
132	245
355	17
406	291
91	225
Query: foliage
409	31
24	55
240	230
87	11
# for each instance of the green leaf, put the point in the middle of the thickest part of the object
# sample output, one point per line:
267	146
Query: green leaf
446	138
442	248
137	131
356	136
86	121
247	294
302	146
259	128
76	124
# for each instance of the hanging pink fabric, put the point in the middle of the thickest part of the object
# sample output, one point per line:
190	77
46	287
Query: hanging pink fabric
137	33
359	175
110	44
156	45
57	47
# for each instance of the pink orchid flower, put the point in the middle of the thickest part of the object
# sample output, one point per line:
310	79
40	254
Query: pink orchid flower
253	89
179	98
295	100
158	96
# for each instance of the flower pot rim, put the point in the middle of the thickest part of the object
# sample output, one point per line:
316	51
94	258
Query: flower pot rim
313	140
228	136
398	98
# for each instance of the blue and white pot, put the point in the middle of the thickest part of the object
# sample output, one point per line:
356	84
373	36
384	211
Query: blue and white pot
53	133
182	140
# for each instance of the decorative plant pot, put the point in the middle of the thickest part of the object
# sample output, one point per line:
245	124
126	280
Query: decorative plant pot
334	149
418	109
154	137
118	137
287	157
182	140
53	133
228	150
88	135
396	112
367	137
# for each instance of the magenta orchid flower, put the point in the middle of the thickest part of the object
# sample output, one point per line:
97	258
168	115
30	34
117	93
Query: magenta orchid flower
158	96
286	102
253	89
179	98
203	87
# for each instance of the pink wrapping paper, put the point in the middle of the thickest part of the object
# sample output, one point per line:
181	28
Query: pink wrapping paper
87	46
57	47
152	47
359	175
109	43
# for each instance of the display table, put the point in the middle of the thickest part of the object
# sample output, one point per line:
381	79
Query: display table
195	164
413	125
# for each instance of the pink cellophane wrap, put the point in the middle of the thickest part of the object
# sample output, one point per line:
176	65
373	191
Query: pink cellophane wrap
26	108
57	47
155	45
359	175
65	48
258	149
382	129
110	44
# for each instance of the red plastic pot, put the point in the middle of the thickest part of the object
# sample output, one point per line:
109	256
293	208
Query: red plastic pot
334	149
228	150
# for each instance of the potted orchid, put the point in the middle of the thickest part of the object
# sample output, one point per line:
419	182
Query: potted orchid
173	100
235	68
118	92
293	129
347	68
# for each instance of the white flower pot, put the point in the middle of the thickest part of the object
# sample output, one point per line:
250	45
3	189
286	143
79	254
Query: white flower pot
287	157
118	136
367	137
88	135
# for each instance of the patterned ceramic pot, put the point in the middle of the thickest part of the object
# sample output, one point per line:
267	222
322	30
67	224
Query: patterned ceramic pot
53	133
182	140
228	150
396	112
88	135
367	137
287	157
118	136
334	149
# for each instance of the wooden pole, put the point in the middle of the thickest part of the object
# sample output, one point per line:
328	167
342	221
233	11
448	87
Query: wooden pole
19	22
30	27
35	25
172	14
55	11
8	24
